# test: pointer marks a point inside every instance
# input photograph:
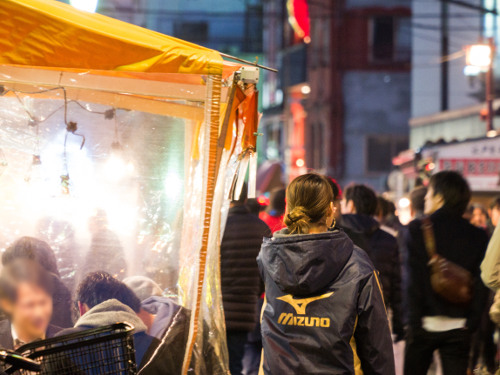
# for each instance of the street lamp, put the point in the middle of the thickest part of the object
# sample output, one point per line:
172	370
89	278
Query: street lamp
480	57
86	5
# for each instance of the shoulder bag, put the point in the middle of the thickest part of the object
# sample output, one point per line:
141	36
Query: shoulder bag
450	281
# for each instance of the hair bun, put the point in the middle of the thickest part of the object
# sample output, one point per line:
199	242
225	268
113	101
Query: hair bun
297	220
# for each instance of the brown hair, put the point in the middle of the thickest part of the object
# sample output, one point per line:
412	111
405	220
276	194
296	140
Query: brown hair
308	200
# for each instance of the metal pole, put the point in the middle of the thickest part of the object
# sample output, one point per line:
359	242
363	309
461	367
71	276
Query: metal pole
490	89
444	56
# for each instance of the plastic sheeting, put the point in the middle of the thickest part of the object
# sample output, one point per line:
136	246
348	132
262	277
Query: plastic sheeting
121	191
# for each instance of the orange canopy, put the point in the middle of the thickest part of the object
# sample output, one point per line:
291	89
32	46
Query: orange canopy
48	33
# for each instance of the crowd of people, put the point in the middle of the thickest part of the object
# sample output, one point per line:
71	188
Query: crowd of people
37	305
345	287
321	281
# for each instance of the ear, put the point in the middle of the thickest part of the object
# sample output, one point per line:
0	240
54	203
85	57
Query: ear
333	209
82	308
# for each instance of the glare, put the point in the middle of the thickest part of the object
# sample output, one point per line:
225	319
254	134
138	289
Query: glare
492	133
174	186
306	89
86	5
404	203
471	71
300	163
115	168
479	55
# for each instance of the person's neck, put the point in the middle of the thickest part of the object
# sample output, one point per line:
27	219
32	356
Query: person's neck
315	229
26	337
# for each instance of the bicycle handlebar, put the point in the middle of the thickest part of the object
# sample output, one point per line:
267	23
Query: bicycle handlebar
18	361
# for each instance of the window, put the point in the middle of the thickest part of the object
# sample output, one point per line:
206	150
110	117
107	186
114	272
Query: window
390	39
195	32
381	149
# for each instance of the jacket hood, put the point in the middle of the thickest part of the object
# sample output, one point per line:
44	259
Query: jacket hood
305	264
110	312
360	223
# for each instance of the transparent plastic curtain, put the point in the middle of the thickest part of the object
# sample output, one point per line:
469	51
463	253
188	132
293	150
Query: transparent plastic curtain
113	187
124	191
200	274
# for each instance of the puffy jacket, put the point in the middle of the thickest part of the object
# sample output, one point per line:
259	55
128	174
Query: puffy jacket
459	242
383	250
324	311
240	280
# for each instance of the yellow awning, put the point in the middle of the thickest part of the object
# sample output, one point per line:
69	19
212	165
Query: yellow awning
48	33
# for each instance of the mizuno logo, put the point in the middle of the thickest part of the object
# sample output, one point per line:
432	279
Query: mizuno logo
303	321
300	307
300	304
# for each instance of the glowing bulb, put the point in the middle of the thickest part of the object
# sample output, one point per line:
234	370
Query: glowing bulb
478	55
306	89
86	5
404	203
115	168
300	163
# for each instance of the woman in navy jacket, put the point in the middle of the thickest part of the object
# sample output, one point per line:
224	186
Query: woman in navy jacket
324	311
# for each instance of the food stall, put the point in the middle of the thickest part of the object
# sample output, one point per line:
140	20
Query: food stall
147	135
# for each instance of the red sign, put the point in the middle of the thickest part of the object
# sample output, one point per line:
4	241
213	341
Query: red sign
298	16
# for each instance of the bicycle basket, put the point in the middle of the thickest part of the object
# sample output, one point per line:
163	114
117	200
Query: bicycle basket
100	351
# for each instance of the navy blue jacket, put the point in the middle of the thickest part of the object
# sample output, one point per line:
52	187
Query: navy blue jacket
324	311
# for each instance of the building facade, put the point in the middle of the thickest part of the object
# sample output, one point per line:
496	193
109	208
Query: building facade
345	111
233	27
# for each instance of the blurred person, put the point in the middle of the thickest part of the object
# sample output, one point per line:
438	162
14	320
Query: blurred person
359	206
170	322
26	291
417	202
386	216
494	214
106	252
357	237
254	206
324	310
240	281
480	217
434	322
157	312
104	300
60	235
490	267
41	253
417	207
337	197
273	214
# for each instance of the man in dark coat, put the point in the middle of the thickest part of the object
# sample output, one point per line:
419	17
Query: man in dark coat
435	323
359	206
240	280
26	298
